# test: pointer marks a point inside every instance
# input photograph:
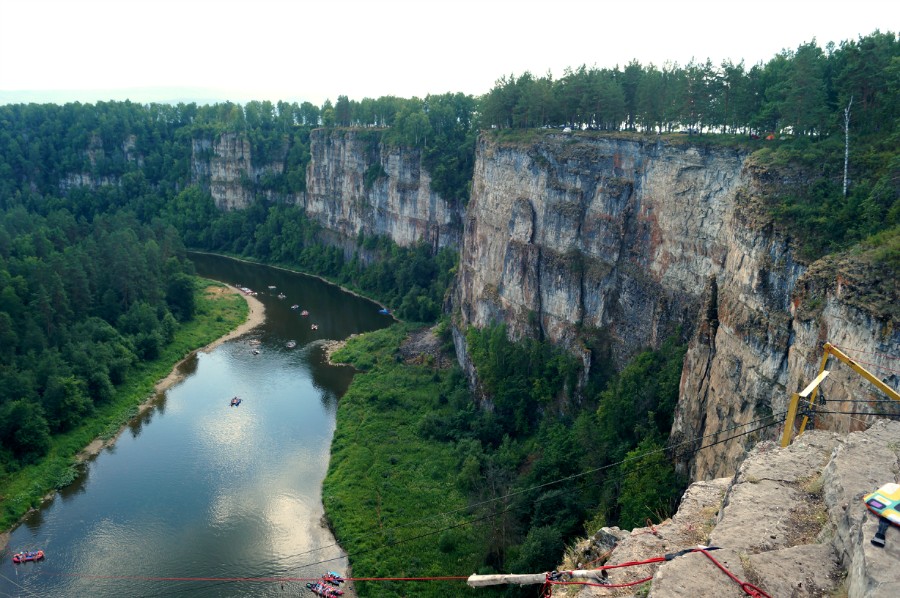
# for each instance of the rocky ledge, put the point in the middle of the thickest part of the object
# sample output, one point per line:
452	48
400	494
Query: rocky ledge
791	522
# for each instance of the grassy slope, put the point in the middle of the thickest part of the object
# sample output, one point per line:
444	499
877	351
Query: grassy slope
216	315
386	485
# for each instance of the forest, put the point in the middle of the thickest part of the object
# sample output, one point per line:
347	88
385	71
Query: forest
98	203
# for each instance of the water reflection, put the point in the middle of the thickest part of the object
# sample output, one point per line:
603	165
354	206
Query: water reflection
199	489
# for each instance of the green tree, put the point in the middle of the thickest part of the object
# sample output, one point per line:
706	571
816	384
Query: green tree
180	297
650	487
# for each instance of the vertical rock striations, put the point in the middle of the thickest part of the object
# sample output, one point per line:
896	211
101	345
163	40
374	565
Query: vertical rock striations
224	165
632	240
569	233
357	185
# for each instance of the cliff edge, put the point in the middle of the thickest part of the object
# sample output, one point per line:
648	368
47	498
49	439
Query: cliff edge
791	522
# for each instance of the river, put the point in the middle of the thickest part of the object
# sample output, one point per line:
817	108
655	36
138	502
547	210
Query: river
198	498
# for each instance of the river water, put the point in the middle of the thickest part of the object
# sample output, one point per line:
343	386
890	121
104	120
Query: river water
197	498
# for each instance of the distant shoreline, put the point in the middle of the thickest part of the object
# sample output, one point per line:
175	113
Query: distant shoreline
316	276
255	317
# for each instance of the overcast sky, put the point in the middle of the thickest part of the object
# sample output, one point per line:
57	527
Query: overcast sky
316	49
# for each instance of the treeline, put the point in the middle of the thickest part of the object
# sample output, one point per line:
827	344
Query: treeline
802	91
81	303
412	281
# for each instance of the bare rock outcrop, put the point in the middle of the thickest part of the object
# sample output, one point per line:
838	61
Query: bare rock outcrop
356	185
791	522
224	164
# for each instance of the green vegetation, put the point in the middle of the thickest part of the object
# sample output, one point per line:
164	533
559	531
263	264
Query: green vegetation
424	482
24	483
385	485
798	92
809	203
789	110
411	280
97	203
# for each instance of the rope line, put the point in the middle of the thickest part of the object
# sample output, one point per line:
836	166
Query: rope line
252	579
421	521
881	353
496	513
749	588
872	413
492	514
878	367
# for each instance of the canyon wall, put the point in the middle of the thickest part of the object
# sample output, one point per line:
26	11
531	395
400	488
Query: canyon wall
357	185
224	166
567	234
354	185
569	237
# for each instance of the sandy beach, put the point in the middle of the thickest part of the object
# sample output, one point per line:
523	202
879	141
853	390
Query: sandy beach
255	317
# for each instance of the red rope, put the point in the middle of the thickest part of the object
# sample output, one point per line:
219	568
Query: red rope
657	559
870	364
599	558
749	588
881	353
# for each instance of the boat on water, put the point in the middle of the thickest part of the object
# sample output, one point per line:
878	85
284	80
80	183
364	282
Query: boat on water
272	286
28	555
384	311
236	401
295	306
314	327
291	344
304	313
282	296
320	588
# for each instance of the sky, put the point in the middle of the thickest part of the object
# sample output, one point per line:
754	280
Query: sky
312	50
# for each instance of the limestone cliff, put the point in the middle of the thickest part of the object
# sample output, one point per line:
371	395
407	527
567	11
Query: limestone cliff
355	184
628	239
571	233
224	165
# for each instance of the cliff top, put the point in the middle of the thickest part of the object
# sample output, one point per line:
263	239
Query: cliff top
858	278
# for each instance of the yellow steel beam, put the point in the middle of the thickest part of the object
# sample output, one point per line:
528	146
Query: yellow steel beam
863	372
832	350
811	388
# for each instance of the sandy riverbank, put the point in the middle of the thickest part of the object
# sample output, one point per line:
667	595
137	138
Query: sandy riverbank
255	317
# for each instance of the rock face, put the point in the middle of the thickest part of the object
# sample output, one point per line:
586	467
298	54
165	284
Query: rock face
569	234
224	165
575	232
354	185
357	185
791	522
630	240
95	153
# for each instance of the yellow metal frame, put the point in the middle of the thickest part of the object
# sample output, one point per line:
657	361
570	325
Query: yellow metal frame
813	389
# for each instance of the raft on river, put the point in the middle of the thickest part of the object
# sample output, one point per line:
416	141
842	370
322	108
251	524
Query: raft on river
24	557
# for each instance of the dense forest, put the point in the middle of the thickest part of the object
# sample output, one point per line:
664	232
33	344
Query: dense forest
99	201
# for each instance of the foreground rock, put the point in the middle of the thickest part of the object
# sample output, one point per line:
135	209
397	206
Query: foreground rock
791	522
